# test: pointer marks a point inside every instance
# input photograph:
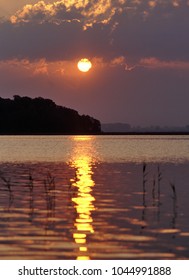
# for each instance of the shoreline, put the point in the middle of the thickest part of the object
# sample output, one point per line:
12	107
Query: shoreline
100	134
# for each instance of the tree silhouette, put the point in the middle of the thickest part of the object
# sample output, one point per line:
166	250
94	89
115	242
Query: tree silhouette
24	115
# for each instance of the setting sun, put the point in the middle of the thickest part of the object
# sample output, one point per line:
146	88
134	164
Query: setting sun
84	65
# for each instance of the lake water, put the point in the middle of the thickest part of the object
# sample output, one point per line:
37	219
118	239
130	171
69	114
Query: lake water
94	197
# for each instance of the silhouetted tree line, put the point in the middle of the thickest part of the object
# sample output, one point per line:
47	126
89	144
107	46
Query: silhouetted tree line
24	115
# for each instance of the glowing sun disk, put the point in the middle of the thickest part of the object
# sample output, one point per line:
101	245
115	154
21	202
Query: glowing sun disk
84	65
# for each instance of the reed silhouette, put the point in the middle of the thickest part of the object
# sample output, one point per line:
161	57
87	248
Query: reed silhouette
159	185
31	197
153	191
156	196
8	188
144	180
50	194
175	206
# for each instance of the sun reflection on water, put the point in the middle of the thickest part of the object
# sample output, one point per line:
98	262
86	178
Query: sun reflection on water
83	199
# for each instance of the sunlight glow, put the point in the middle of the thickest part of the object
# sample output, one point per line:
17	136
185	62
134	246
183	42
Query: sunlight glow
84	65
83	199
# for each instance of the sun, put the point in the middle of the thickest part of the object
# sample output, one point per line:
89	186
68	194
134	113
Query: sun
84	65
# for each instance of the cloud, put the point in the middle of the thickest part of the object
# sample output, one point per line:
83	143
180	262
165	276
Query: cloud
67	30
155	63
34	41
159	32
121	61
88	12
38	68
41	12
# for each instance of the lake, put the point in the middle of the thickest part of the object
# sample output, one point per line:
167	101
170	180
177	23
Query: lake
94	197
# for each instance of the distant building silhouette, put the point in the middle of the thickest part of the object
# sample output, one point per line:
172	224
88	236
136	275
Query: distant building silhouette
116	127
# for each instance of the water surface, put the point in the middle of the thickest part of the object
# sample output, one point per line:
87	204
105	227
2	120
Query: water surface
94	197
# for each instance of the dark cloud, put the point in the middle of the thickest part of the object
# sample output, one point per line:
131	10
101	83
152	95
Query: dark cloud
161	32
33	41
65	41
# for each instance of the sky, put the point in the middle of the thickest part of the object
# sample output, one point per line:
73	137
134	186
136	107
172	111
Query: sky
139	51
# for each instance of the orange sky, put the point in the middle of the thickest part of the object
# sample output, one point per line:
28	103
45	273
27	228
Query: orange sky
139	52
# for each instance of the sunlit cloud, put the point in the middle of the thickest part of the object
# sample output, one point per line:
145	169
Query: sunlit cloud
155	63
41	68
89	12
118	60
120	32
152	4
121	61
32	68
68	68
176	3
148	62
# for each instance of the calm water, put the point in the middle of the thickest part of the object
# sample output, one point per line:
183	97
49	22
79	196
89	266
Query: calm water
94	197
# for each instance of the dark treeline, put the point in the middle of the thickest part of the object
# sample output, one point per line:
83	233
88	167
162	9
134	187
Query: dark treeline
24	115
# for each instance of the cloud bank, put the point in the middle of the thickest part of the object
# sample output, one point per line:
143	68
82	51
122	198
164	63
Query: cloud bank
64	30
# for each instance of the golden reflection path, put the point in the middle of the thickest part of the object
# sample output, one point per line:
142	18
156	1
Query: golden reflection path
83	199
